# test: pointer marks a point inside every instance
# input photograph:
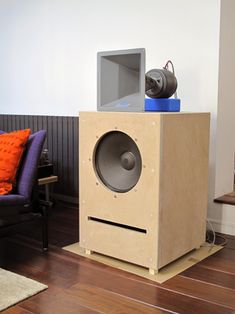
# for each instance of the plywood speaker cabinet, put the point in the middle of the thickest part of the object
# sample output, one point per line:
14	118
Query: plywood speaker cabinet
143	184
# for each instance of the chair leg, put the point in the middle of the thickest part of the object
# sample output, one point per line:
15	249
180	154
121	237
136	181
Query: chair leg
45	228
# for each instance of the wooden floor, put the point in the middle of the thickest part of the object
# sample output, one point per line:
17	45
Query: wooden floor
79	285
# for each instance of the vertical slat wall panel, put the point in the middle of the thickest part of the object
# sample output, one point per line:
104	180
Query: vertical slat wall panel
62	144
60	148
75	158
71	171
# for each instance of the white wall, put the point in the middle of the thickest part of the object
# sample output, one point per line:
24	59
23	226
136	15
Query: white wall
48	59
223	216
225	143
48	49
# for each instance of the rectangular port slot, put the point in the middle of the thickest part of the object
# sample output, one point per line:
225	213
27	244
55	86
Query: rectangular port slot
115	224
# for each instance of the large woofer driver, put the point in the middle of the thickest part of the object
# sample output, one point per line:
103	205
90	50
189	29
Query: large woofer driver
117	161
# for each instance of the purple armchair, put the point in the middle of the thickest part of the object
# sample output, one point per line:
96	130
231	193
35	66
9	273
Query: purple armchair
17	208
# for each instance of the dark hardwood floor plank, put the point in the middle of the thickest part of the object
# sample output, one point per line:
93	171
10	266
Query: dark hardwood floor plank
16	310
55	283
210	276
225	253
202	291
147	292
50	304
223	261
103	301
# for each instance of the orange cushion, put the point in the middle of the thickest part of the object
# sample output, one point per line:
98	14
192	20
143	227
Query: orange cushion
11	150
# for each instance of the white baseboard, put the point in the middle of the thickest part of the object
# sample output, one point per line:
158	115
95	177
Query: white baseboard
226	223
224	218
223	227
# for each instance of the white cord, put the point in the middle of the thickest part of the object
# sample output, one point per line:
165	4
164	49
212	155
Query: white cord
213	231
173	71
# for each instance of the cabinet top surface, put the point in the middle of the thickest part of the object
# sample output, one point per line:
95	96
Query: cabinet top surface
143	113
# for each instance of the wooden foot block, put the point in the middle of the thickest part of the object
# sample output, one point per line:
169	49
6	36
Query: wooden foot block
153	271
88	252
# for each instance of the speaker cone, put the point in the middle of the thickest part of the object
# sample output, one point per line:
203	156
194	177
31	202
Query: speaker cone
117	161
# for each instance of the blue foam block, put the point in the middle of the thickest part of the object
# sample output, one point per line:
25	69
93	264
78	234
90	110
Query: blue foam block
162	104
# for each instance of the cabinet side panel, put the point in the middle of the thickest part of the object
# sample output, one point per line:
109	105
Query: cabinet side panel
183	184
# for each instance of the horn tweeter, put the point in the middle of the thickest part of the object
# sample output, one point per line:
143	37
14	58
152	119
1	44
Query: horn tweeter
117	161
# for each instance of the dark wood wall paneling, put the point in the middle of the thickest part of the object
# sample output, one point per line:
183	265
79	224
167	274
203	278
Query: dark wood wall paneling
62	144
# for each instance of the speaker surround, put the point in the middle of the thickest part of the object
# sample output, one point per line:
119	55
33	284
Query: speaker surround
143	184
